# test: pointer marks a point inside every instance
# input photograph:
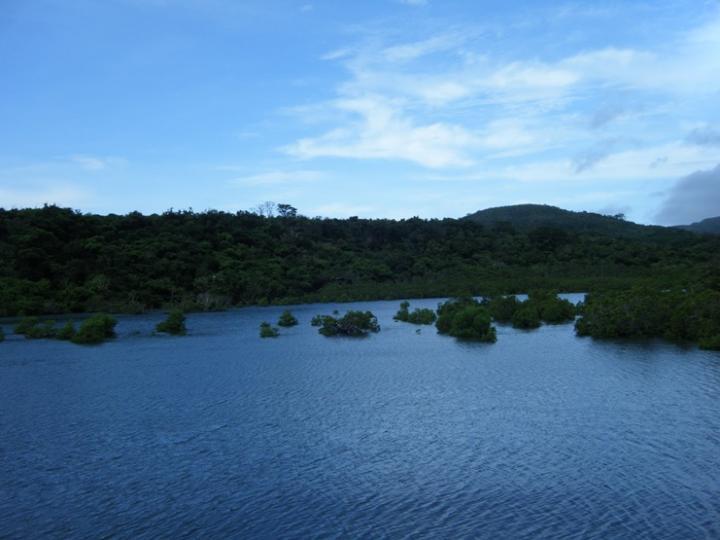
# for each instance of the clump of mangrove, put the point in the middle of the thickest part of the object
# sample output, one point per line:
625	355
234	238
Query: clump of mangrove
95	329
268	331
465	318
541	306
67	332
353	324
287	319
417	316
174	324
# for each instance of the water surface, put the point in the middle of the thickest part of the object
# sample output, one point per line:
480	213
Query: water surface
401	434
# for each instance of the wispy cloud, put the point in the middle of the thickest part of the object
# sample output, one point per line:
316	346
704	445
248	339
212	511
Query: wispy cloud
279	177
95	163
443	102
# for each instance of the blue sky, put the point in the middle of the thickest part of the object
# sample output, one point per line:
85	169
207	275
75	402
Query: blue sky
380	108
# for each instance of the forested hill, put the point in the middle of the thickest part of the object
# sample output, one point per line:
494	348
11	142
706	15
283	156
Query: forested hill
526	217
56	260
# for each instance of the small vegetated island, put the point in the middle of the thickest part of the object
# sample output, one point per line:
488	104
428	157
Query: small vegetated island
93	330
465	318
267	330
417	316
540	307
287	319
352	324
174	324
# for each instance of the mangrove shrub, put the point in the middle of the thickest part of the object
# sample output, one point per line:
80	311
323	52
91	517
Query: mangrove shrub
174	324
465	318
353	324
95	329
287	319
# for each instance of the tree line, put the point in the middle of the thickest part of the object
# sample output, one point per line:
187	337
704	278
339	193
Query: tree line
58	260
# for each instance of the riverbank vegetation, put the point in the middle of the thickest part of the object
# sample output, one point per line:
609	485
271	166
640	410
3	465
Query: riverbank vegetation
56	260
681	315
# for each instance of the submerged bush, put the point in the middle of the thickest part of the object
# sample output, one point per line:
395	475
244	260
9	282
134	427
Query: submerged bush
174	324
353	324
95	329
43	330
465	318
502	308
26	324
417	316
267	330
2	334
403	313
67	332
287	319
551	308
526	318
422	316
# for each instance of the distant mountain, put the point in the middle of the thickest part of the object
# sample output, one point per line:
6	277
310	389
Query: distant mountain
706	226
525	217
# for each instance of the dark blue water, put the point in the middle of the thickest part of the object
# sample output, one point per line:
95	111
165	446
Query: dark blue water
222	434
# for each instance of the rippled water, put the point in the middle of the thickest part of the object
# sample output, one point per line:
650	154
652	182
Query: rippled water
398	435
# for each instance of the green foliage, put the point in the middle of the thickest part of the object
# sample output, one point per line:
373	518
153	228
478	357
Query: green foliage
403	313
353	324
550	308
417	316
318	320
710	343
26	325
174	324
268	331
57	260
422	316
95	329
526	317
502	308
67	332
465	318
674	314
541	306
42	330
287	319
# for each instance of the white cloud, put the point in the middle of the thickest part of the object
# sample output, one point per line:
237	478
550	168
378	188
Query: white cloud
439	102
95	163
379	131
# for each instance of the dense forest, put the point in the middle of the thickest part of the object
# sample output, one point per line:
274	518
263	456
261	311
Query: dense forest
55	260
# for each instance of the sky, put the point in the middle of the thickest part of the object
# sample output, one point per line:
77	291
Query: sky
374	108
